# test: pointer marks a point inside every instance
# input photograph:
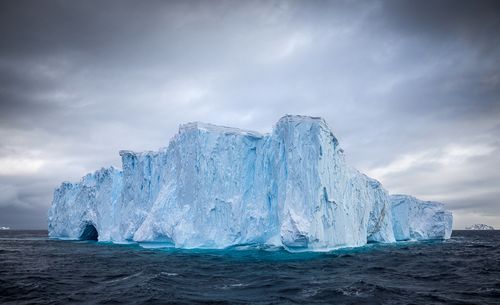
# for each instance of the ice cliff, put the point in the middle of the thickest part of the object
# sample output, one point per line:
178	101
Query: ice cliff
215	187
414	219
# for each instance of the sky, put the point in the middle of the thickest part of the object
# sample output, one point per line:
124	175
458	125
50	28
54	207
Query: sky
410	88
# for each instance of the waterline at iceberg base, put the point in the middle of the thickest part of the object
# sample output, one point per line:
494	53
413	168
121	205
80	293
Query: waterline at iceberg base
216	187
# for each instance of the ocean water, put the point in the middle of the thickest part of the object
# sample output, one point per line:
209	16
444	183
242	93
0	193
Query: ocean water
36	270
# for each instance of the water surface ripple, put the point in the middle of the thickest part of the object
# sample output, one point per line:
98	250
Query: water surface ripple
36	270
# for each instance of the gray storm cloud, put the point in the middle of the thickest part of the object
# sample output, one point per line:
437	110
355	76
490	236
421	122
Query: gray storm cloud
411	89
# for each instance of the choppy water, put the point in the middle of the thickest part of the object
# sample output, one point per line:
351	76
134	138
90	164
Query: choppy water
463	270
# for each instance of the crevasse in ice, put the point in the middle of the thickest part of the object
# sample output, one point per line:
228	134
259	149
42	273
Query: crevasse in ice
215	187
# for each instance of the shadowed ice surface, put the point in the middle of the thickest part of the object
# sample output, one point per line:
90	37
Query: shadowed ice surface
462	270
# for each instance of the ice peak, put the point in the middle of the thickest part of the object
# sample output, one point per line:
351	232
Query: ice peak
403	197
125	152
294	118
290	120
130	153
200	126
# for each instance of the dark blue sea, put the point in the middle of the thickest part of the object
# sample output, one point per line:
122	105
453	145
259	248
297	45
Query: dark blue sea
36	270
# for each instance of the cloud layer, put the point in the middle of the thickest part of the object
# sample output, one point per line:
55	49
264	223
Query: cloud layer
411	89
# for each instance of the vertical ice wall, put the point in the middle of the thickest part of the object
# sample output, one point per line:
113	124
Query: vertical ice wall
215	192
323	202
143	178
415	219
92	202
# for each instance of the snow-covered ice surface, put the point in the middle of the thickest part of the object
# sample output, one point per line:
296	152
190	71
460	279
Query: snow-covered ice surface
215	187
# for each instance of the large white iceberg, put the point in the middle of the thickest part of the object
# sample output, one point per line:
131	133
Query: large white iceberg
215	187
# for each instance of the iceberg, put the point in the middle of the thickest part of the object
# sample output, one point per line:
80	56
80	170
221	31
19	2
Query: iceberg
216	187
477	226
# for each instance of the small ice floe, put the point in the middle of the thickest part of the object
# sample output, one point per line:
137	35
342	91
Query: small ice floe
235	285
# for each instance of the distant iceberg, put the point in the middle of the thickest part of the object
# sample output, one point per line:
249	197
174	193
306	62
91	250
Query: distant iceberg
480	226
215	187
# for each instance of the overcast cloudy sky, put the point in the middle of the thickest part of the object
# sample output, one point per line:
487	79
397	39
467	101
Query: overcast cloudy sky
410	88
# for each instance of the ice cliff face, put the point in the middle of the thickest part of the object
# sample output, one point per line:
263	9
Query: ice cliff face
216	186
